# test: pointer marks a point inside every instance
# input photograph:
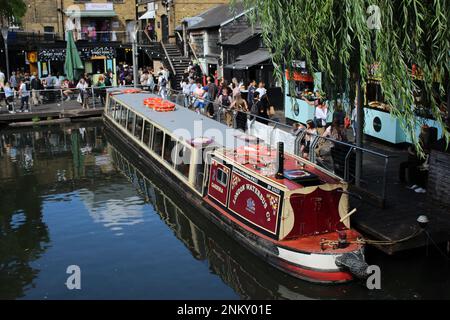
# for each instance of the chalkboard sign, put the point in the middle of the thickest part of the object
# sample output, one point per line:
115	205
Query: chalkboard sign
52	55
85	53
88	53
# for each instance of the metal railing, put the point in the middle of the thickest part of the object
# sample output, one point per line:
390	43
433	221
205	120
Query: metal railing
56	99
338	157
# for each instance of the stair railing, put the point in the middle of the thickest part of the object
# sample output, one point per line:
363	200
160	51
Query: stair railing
168	58
196	57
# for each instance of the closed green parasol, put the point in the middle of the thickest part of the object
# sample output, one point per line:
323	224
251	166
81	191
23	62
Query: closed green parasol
73	60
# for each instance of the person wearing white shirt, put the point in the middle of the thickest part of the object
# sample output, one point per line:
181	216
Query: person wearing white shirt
261	89
320	115
2	78
82	98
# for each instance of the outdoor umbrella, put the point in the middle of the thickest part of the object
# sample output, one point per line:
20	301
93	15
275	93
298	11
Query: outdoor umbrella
73	60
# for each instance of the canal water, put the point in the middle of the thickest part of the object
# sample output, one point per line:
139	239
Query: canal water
73	196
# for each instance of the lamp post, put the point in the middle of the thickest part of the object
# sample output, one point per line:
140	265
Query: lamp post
5	31
134	38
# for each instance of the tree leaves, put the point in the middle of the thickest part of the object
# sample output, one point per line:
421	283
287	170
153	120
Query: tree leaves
334	37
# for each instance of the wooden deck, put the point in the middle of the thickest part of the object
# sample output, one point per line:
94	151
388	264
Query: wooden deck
403	206
67	110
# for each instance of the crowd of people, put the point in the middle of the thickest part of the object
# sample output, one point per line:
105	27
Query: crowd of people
24	90
235	99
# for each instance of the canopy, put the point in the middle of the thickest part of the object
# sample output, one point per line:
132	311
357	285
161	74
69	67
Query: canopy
73	60
249	60
148	15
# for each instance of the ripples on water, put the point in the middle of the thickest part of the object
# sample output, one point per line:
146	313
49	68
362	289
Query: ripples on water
70	196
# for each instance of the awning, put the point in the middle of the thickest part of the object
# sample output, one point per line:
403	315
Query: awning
148	15
250	60
92	14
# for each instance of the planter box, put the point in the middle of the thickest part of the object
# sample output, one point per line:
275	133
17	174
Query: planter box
439	177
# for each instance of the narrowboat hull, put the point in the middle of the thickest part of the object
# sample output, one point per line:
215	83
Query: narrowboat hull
317	267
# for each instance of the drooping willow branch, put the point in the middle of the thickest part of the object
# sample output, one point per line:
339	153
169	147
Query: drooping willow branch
331	33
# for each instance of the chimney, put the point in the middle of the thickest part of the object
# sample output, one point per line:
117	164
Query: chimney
280	173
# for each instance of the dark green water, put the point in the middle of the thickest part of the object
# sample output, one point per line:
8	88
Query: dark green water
74	196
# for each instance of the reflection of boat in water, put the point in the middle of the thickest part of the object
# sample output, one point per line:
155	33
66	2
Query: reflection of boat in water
295	216
249	276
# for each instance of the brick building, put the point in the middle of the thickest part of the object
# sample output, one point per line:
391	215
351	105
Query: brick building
167	15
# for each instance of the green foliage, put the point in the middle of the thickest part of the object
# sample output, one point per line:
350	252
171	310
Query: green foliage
334	37
11	9
36	119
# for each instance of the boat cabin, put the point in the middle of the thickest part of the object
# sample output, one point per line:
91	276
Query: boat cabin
260	188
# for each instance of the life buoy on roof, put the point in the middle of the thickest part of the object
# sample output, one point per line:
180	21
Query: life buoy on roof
124	91
159	105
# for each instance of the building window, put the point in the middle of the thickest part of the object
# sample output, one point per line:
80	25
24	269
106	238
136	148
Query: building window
158	140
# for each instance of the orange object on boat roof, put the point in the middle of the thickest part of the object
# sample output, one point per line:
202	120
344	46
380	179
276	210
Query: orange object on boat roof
159	105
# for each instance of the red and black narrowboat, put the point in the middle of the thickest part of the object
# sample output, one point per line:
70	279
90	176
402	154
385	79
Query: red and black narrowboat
288	211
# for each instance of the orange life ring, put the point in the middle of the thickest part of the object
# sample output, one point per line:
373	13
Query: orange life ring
131	91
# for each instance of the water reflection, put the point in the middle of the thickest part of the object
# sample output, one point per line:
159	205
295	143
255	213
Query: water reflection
25	160
247	275
75	194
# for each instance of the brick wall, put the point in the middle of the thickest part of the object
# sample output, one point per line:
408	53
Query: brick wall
40	14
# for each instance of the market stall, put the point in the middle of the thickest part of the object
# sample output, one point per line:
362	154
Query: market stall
379	122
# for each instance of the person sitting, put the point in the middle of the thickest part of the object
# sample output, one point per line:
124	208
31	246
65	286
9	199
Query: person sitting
416	165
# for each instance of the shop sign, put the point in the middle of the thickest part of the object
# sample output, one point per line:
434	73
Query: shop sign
88	53
52	55
99	6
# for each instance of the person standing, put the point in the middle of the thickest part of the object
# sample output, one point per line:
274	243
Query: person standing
35	87
83	96
262	90
13	81
9	97
224	101
251	94
2	79
321	114
162	84
240	106
354	119
212	89
24	94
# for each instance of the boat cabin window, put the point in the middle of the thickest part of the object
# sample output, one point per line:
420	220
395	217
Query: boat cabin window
115	110
111	106
138	127
169	146
130	121
222	177
183	163
158	140
123	116
148	129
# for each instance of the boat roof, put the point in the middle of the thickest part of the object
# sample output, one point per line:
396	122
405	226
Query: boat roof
184	123
248	151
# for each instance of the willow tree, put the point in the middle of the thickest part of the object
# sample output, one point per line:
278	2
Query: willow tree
355	34
11	10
